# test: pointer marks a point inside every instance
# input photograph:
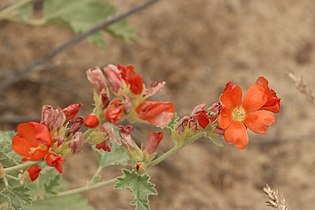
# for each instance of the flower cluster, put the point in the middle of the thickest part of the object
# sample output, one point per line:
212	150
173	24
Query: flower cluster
120	96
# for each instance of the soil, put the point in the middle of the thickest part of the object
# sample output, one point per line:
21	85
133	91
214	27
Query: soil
196	47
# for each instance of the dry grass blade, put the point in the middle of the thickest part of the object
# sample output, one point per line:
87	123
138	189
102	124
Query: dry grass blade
302	86
275	199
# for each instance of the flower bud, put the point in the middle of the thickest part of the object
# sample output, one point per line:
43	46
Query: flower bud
71	111
75	126
153	141
55	161
76	143
54	119
113	115
30	175
130	77
113	75
105	145
97	79
105	101
125	135
215	108
91	121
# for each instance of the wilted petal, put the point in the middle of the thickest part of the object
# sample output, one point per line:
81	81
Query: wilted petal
97	79
54	119
113	75
153	89
76	143
106	127
71	111
125	135
153	141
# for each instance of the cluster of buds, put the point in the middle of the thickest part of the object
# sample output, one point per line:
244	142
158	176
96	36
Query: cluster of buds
201	119
140	156
54	138
130	94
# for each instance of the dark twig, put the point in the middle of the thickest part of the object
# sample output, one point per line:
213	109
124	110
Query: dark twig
14	78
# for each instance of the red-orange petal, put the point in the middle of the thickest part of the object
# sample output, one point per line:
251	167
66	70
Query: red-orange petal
255	98
21	146
273	102
42	134
156	112
225	118
231	96
27	132
259	121
236	134
38	154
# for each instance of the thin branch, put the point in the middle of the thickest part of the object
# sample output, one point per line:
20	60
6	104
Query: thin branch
14	78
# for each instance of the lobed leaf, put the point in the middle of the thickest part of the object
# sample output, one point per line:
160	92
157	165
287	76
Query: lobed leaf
53	184
17	197
139	186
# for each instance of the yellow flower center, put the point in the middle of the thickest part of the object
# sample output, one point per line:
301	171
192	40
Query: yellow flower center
239	114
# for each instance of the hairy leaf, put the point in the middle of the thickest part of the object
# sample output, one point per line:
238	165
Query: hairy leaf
52	185
117	156
17	197
139	186
7	155
123	31
75	202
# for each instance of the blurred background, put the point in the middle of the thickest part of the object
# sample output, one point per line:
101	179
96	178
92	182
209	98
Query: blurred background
196	47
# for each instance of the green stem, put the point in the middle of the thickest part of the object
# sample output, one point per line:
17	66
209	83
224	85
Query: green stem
12	177
5	13
175	149
96	174
92	186
21	166
83	189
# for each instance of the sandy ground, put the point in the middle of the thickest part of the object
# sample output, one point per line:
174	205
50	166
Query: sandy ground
196	47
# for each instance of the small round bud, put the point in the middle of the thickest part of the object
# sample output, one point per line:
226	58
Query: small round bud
91	121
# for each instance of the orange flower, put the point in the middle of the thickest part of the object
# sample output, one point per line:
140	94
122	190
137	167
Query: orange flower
254	112
32	141
156	112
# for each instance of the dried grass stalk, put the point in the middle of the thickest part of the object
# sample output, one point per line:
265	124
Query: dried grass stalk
276	200
302	86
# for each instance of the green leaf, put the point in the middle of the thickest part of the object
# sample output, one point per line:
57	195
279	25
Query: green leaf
7	155
123	31
56	8
17	197
139	186
76	202
117	156
97	39
52	185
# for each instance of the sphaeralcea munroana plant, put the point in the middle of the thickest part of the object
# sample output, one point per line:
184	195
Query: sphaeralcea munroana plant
120	98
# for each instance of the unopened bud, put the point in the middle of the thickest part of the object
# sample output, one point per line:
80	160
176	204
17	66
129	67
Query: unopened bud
54	119
72	111
55	161
97	79
91	121
105	145
153	141
113	75
75	126
30	175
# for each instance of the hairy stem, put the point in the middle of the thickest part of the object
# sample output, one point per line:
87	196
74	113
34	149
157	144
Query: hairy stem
175	149
82	189
5	13
12	177
96	174
20	166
